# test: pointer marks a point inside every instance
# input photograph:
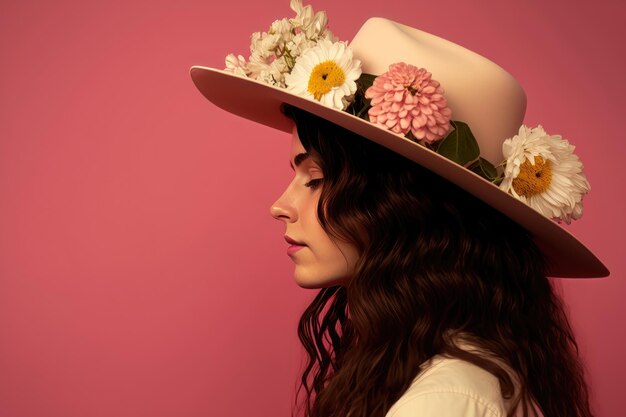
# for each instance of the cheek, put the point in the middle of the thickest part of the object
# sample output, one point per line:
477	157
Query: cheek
338	258
309	208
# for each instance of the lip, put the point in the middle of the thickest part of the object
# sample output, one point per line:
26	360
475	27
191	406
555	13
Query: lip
293	241
294	248
294	245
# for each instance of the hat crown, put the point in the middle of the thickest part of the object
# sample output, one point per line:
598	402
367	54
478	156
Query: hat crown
478	91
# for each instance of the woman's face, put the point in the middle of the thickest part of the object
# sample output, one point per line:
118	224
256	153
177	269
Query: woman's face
320	261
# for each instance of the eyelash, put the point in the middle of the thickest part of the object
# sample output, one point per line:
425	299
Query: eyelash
313	184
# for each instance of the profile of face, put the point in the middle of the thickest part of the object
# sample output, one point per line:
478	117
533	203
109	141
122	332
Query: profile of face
320	261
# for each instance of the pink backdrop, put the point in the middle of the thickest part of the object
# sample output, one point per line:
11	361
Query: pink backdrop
140	271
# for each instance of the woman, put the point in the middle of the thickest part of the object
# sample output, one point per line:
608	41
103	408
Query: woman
420	271
431	261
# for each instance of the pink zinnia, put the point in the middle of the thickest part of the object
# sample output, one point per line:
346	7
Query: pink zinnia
405	99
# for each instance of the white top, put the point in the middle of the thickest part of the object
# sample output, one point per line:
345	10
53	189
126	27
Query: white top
452	388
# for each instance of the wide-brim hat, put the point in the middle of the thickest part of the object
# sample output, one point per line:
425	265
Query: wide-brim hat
479	93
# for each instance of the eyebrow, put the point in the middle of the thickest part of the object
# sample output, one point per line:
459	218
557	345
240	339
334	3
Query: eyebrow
299	159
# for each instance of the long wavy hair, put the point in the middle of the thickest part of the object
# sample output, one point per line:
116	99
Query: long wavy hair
434	262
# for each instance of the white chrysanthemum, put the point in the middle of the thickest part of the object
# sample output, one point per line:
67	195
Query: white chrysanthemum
327	73
542	171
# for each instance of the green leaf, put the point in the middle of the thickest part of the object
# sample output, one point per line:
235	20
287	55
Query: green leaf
361	105
365	106
365	81
484	168
488	168
460	145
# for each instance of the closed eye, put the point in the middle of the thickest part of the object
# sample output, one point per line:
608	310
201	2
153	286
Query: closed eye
314	183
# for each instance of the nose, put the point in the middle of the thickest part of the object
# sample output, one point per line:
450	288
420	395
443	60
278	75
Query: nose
283	209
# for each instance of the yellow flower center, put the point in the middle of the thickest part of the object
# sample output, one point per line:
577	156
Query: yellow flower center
533	179
324	77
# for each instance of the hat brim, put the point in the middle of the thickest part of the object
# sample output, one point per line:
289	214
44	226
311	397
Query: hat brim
567	257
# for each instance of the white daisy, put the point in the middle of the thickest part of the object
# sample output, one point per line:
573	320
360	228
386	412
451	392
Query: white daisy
542	171
327	73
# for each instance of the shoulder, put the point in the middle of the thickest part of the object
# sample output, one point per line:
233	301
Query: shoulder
451	387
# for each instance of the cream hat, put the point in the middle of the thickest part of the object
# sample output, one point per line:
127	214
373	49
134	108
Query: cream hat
478	92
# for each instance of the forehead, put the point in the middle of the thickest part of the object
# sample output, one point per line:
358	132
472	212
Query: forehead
296	145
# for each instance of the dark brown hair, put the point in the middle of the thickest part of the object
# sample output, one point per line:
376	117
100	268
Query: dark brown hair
434	262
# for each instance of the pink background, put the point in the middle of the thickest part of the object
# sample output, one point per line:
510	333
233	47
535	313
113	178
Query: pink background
140	271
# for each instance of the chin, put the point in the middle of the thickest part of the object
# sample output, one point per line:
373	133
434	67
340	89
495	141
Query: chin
308	285
315	282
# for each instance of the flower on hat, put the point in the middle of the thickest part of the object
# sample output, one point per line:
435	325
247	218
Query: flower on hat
406	99
312	24
273	53
542	171
265	62
237	65
301	55
326	73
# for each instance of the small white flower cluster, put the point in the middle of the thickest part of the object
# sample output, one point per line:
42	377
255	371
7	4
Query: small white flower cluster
274	53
